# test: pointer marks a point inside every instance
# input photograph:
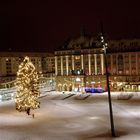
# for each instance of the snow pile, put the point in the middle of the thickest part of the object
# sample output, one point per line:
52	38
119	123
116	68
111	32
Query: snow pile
125	96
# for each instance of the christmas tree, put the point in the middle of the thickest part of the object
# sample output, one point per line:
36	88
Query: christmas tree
27	85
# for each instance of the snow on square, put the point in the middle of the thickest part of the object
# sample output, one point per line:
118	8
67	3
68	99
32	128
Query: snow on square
73	118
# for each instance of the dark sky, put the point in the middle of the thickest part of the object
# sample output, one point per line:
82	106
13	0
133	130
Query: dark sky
37	25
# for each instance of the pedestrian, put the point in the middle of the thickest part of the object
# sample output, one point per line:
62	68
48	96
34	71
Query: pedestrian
28	111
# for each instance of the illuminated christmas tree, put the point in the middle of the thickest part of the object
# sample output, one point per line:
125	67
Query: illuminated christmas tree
27	85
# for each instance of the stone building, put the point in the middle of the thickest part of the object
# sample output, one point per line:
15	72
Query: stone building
79	63
9	62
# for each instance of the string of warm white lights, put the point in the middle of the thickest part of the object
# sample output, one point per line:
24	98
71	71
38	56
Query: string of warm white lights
27	85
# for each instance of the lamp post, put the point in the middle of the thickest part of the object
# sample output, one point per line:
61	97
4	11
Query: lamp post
108	87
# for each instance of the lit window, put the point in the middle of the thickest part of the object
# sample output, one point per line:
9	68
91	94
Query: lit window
78	79
77	57
78	72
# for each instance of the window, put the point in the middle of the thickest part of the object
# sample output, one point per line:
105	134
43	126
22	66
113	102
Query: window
77	57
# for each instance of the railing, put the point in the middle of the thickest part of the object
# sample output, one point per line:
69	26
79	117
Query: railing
8	91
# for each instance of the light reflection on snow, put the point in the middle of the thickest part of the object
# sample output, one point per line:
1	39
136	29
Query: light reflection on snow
130	114
94	118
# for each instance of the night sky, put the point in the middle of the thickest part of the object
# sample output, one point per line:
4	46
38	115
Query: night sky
36	25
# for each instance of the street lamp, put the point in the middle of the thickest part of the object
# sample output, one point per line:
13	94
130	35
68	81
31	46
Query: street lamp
108	87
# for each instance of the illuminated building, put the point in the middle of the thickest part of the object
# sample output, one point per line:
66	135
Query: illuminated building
79	63
124	64
9	62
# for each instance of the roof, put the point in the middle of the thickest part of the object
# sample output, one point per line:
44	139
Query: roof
81	42
90	42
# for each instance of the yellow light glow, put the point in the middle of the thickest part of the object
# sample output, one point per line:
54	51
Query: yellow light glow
27	85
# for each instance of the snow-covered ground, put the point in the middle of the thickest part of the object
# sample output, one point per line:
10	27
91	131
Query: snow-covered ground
73	117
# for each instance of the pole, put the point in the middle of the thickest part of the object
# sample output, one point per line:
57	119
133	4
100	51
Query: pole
108	87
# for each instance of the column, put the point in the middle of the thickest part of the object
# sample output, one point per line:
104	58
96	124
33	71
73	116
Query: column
61	65
72	62
111	63
82	62
129	63
102	64
67	66
124	69
56	66
136	63
89	64
95	63
117	64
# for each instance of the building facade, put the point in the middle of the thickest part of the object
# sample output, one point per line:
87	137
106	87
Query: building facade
79	64
124	64
9	62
